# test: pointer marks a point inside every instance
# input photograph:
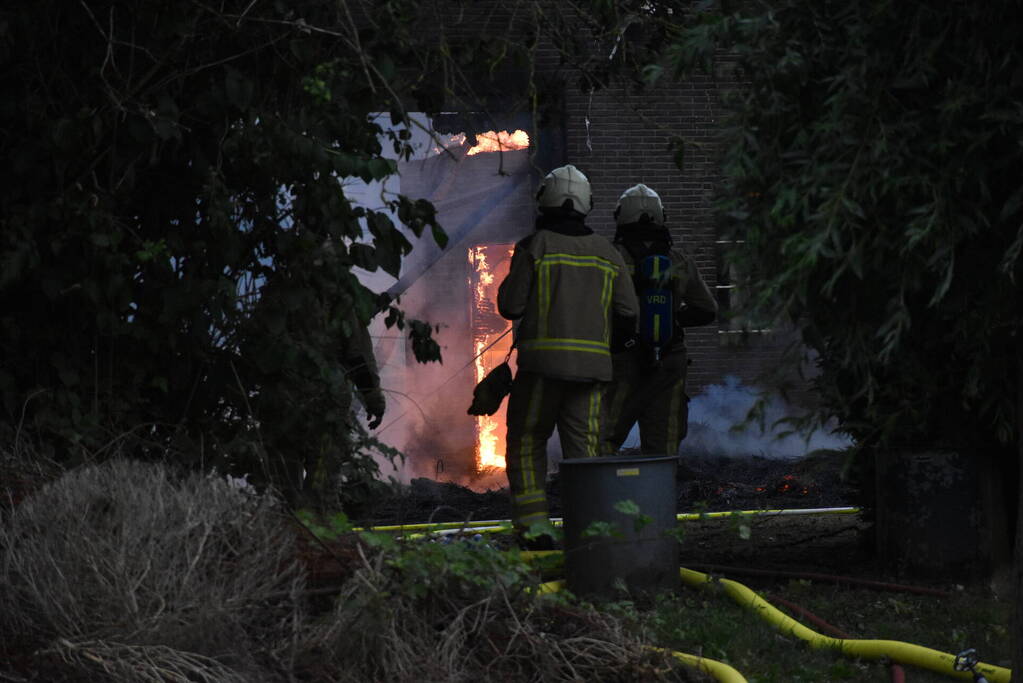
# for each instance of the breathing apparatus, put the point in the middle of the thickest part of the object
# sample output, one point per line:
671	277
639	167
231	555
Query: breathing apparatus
639	216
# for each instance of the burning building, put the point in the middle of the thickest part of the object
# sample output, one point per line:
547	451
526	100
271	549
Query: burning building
482	184
480	172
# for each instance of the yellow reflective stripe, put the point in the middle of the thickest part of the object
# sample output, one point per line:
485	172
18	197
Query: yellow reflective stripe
567	347
591	343
605	304
593	423
580	261
543	295
527	521
543	289
657	328
599	348
529	497
657	269
526	451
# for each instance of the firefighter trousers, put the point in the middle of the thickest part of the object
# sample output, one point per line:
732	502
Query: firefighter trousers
536	405
653	396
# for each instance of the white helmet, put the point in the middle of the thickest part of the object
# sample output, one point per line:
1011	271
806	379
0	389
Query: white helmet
639	204
565	185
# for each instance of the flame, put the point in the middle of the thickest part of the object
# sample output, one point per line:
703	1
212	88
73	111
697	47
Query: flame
488	326
445	141
493	141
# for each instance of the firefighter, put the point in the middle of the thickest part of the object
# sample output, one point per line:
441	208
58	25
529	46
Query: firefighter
650	371
567	288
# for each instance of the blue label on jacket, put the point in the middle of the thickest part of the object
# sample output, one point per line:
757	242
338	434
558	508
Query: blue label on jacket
655	304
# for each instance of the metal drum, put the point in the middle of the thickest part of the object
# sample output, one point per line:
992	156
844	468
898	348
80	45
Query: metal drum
619	517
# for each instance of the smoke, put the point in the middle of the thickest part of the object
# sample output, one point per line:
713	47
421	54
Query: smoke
426	416
716	427
483	199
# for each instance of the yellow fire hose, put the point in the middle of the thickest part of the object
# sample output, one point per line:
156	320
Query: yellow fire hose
503	524
897	651
719	670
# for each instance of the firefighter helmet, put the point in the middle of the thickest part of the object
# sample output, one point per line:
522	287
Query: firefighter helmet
639	204
565	187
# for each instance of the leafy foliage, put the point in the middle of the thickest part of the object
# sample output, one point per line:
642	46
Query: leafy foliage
872	171
169	163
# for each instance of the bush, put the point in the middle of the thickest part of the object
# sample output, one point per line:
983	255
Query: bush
467	612
132	560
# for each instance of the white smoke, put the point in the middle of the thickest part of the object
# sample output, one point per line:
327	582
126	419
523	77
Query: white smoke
716	426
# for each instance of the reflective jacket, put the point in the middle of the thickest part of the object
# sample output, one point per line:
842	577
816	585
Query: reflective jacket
566	284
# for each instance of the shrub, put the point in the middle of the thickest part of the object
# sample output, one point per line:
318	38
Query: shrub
468	612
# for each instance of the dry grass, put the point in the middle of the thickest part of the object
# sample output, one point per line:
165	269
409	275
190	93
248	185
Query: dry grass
129	572
141	663
130	553
461	613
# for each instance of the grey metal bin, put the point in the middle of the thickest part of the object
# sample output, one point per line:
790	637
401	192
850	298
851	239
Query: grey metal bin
643	557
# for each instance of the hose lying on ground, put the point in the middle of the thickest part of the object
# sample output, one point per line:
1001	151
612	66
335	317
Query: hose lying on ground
897	674
897	651
904	653
828	578
504	524
719	670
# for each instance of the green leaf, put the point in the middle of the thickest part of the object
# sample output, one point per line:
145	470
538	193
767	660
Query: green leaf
652	73
853	208
380	168
439	236
627	507
390	244
543	528
363	256
599	529
641	522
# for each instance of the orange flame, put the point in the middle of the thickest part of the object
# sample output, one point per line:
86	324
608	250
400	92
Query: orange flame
493	141
487	327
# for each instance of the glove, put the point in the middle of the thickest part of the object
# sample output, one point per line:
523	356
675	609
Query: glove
375	407
623	333
488	394
620	344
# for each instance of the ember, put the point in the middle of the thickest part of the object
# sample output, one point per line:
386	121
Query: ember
789	484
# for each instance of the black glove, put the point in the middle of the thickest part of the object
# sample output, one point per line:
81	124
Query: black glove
375	407
623	333
488	394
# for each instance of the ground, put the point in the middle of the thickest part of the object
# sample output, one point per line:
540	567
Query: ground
820	543
816	562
